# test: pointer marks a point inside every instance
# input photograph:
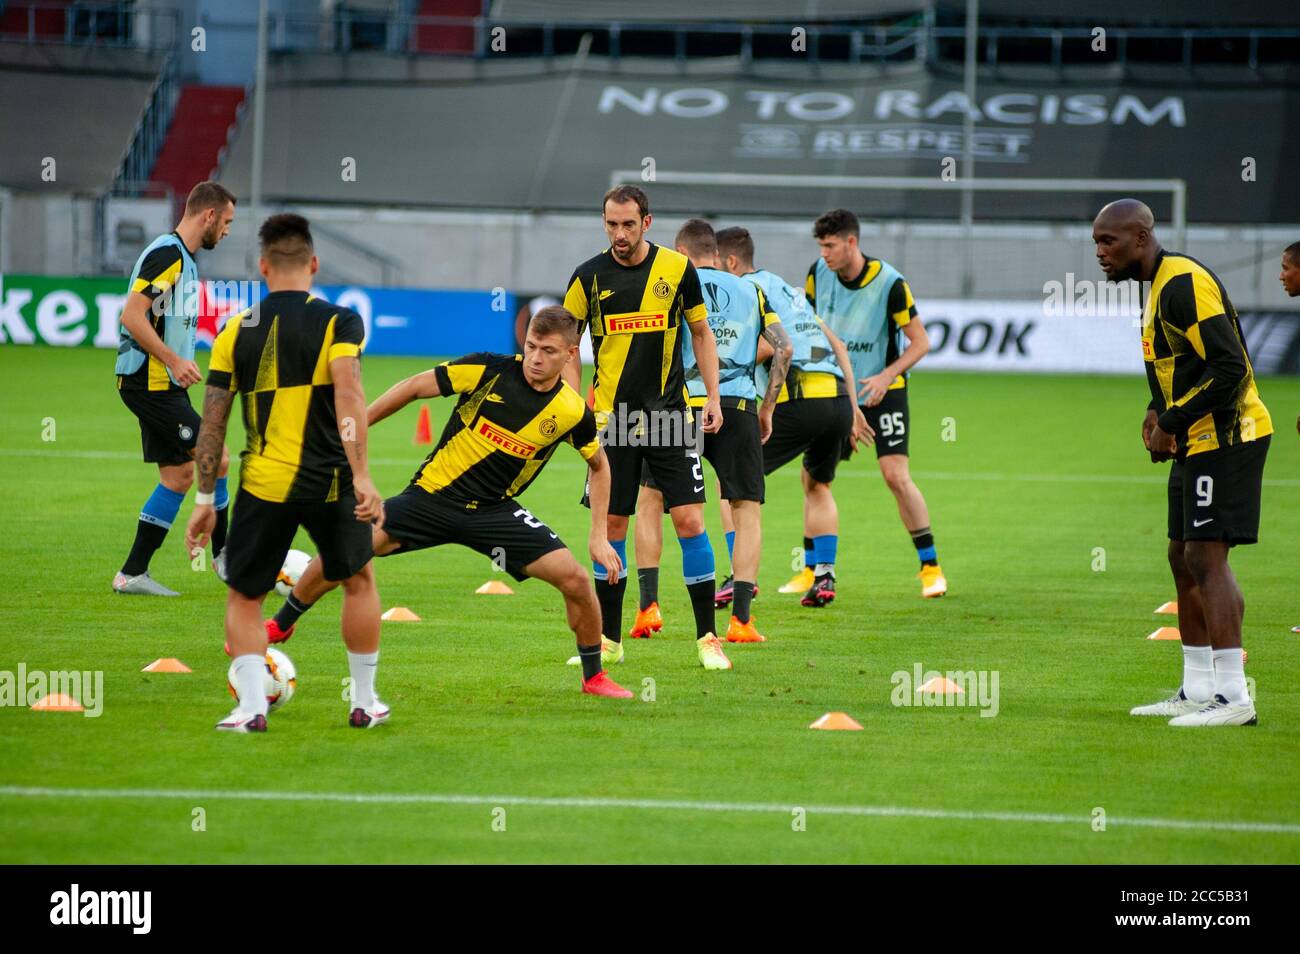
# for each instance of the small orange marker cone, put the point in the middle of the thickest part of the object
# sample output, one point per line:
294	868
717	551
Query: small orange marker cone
1166	632
494	588
167	664
1170	608
835	720
423	429
944	685
57	702
400	614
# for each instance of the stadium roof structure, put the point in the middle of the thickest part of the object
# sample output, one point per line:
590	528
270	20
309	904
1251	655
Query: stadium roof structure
1205	13
684	11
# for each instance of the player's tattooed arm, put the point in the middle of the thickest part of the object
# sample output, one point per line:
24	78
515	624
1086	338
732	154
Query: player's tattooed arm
212	436
782	353
414	388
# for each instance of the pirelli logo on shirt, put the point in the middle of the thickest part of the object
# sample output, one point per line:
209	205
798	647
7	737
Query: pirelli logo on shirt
1148	351
503	440
635	323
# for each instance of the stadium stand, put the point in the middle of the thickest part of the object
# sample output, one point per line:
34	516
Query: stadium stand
42	85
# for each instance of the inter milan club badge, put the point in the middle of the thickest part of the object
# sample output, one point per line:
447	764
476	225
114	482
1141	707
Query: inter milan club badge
662	289
548	427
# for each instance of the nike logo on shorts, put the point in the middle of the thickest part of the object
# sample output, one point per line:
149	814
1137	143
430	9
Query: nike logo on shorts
1201	523
895	443
696	490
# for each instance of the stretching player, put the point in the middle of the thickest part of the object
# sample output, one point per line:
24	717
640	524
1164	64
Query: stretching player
514	411
1206	416
814	415
637	298
868	304
155	367
296	362
739	318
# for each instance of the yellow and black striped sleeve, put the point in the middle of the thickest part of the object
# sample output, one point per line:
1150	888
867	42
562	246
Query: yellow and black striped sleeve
691	295
768	316
1192	305
902	307
160	270
575	300
810	285
462	374
584	435
221	367
349	336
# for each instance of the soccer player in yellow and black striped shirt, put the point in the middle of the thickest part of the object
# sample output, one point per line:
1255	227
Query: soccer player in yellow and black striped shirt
513	412
1205	415
638	299
295	362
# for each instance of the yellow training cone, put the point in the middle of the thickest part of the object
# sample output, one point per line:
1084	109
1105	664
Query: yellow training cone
57	702
400	614
167	664
835	720
944	685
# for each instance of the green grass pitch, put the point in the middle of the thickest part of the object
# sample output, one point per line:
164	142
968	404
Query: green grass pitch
488	723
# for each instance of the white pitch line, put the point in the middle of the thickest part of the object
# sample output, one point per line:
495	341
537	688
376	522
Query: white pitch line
574	465
652	804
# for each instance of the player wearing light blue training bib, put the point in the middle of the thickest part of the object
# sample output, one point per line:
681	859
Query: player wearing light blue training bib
155	367
814	416
742	322
868	304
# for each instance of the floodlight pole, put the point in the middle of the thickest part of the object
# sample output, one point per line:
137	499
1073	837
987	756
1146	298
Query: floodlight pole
259	115
968	153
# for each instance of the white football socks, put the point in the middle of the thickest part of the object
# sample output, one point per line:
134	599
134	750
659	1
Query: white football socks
250	682
362	666
1198	673
1230	676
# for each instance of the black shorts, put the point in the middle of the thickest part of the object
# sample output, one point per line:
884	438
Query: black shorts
261	533
891	422
1215	495
503	532
169	425
677	472
736	455
815	427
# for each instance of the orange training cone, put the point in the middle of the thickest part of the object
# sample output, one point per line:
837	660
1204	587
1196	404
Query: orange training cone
1166	632
835	720
167	664
494	588
944	685
57	702
1171	608
423	430
400	614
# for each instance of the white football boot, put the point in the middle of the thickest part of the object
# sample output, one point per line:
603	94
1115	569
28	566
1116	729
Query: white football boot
1176	705
1220	712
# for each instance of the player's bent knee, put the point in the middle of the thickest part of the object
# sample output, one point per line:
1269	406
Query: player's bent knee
1202	560
361	581
177	479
